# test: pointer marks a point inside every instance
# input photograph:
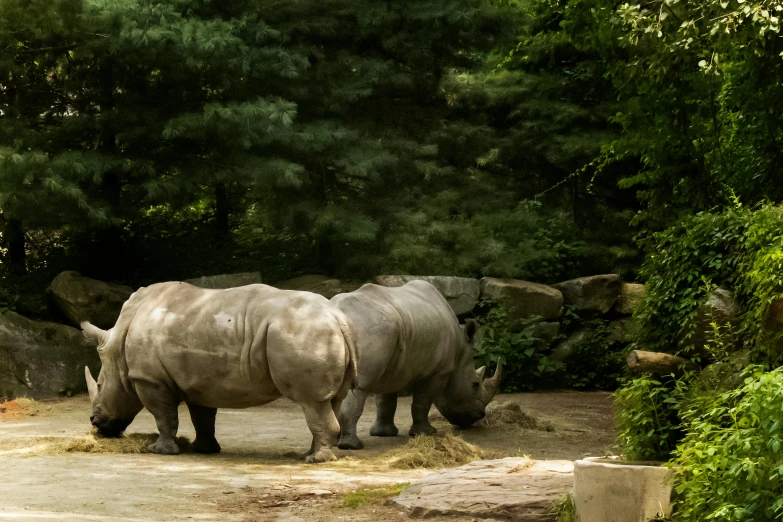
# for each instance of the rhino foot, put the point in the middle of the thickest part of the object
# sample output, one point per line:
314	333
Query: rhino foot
164	447
206	446
322	455
350	443
422	429
384	430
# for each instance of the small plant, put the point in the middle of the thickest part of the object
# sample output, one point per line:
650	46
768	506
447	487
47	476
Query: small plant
565	509
357	498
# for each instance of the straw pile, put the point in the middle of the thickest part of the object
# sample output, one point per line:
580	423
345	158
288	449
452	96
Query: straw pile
23	407
437	451
89	443
510	414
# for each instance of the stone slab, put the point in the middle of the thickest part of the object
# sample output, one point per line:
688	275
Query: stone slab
514	488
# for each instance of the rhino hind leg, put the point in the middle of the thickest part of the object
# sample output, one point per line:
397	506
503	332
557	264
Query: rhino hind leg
162	404
386	407
325	429
350	412
203	419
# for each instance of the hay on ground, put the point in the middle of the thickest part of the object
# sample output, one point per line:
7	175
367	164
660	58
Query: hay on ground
436	451
510	414
89	443
23	407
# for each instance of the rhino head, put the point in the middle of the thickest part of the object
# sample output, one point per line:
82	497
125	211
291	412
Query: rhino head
468	392
114	401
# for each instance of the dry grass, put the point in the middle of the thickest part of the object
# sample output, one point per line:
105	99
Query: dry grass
437	451
23	407
89	443
510	414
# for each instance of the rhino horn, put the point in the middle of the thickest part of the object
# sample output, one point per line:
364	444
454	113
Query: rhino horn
92	386
93	333
480	372
493	383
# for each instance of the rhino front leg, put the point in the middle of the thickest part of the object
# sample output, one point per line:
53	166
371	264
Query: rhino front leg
386	407
350	412
204	422
325	429
423	396
162	404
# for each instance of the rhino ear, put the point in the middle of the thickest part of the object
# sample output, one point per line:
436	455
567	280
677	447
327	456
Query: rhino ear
471	327
480	372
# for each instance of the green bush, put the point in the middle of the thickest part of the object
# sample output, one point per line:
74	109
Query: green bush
731	463
527	365
647	416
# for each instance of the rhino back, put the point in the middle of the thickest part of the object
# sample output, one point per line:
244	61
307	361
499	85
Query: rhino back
404	334
214	344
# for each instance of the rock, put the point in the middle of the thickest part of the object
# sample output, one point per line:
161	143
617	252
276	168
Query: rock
39	359
624	330
462	293
318	284
226	280
596	293
81	298
607	490
546	331
721	309
522	299
631	296
566	349
513	488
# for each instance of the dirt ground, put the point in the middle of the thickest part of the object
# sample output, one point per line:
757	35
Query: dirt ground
256	478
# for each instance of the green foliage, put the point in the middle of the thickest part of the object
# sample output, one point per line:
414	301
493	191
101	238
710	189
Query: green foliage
647	416
564	509
730	461
525	357
598	361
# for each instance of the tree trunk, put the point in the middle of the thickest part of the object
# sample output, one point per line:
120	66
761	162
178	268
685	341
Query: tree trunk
656	362
13	239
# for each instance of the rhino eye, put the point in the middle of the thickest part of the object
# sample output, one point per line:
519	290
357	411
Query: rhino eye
475	386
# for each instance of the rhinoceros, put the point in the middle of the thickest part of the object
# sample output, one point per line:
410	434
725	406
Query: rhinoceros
232	348
408	338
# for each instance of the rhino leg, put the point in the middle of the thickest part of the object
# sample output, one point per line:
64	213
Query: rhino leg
325	429
162	404
386	407
350	412
204	422
423	396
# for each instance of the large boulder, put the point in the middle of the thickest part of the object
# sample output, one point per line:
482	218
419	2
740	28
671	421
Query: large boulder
567	348
318	284
513	488
226	280
547	331
698	338
631	296
39	359
624	330
462	293
596	294
523	299
81	298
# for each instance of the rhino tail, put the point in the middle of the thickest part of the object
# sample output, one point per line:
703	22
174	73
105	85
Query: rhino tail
93	333
351	378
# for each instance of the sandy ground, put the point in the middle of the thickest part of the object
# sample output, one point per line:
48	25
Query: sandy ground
255	477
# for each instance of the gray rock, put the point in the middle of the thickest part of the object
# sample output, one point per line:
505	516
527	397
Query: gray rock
565	350
81	298
39	359
546	331
318	284
624	330
462	293
513	488
698	337
631	296
226	280
592	293
523	299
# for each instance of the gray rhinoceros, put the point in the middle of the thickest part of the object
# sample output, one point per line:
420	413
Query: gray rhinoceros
231	348
408	338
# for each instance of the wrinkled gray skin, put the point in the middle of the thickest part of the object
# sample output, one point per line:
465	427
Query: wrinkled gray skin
231	348
408	338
